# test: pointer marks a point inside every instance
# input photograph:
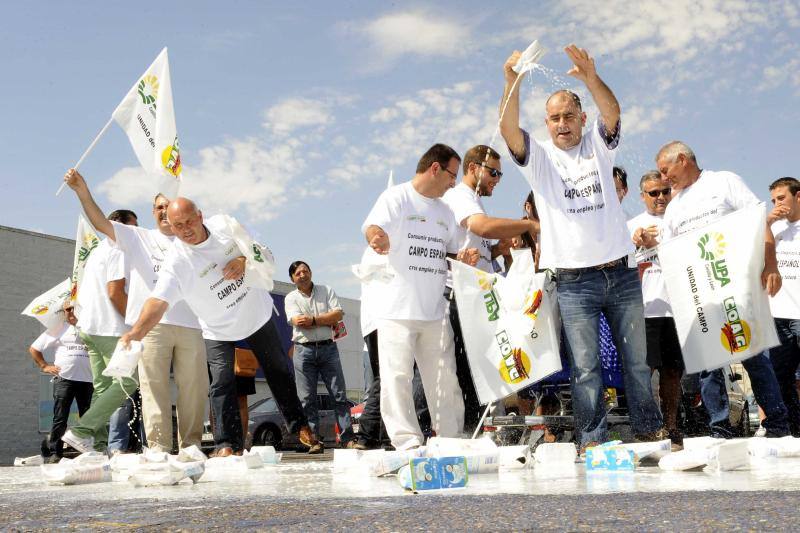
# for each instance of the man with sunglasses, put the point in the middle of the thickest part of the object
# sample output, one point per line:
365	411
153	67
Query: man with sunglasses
417	231
585	240
699	198
476	229
72	377
663	346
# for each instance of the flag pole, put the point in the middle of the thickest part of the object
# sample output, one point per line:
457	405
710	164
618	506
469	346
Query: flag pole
91	147
480	422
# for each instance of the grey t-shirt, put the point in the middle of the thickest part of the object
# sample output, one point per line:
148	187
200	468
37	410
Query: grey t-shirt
321	300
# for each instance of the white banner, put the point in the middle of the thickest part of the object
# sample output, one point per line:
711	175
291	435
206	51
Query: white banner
260	264
147	116
86	240
46	308
510	326
713	278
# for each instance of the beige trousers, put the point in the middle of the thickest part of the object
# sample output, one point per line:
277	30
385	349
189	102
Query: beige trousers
184	350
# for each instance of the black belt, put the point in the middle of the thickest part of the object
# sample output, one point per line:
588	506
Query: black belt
611	264
317	343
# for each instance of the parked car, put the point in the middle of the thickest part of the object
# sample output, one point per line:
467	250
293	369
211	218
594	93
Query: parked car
268	427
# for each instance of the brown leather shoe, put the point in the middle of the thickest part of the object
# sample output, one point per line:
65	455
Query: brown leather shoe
351	445
307	437
316	448
222	452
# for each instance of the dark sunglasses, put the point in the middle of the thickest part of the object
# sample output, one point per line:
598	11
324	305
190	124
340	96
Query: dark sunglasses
657	192
493	172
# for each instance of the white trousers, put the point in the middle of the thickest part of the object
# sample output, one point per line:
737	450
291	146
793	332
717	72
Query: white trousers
430	343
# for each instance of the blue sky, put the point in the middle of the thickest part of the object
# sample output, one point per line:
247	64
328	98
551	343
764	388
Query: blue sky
291	115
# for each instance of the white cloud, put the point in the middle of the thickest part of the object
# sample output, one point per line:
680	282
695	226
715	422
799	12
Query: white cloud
295	113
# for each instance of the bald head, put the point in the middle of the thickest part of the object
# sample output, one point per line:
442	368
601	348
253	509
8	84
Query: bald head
186	221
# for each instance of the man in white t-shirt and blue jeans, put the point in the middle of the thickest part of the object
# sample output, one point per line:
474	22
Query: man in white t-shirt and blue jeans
410	223
585	240
476	229
205	269
700	197
784	220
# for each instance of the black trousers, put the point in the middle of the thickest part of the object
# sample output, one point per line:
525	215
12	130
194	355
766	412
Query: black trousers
267	347
370	424
64	392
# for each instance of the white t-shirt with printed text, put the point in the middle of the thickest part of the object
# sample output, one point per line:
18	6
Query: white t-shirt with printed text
654	290
713	195
465	202
145	250
97	315
583	223
421	232
786	304
69	352
228	310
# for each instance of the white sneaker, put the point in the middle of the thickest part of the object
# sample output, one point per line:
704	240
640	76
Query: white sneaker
760	432
81	444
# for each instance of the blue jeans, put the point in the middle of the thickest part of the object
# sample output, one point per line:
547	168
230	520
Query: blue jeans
321	362
119	426
765	390
785	360
616	291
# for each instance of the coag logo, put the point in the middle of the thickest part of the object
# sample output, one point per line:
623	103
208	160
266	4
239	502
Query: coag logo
712	246
148	90
515	365
171	158
532	304
735	334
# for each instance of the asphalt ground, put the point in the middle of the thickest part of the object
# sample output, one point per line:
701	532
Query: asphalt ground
303	493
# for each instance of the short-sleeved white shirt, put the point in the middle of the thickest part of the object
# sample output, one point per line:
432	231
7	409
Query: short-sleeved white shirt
654	290
786	304
228	310
69	352
97	315
713	195
583	223
145	250
321	300
465	202
421	232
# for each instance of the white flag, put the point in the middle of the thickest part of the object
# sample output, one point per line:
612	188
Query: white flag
260	264
713	278
86	240
148	118
510	326
46	308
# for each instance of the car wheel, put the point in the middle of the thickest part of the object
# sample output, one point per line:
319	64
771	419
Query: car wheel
268	436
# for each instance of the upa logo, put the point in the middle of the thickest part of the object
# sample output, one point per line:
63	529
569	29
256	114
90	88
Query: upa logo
171	158
712	249
486	283
515	365
148	89
735	334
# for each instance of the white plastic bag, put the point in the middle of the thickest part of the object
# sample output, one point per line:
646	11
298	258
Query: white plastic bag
123	362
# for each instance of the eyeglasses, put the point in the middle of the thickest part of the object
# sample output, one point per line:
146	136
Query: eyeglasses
69	309
493	172
449	172
657	192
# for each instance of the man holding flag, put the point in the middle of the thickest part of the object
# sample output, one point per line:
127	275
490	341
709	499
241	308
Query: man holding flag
699	198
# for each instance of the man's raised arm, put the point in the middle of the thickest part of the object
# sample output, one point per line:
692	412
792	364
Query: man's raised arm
584	70
509	120
76	182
